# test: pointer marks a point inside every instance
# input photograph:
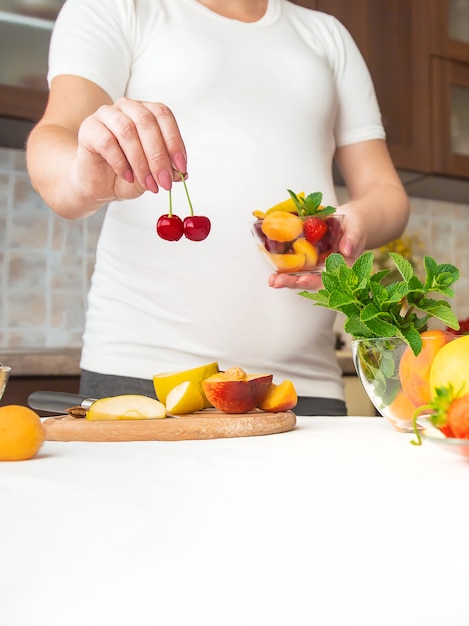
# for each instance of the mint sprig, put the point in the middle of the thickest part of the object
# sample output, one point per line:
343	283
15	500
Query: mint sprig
400	309
311	205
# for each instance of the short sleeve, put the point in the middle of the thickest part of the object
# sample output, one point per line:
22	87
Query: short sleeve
93	39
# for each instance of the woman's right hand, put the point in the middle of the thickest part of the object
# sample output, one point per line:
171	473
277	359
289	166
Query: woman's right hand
87	151
127	148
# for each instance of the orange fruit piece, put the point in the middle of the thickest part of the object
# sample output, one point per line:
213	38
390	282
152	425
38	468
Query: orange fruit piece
301	246
280	397
288	262
414	371
401	408
451	366
282	226
21	433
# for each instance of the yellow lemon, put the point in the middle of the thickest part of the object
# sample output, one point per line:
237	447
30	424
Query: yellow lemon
451	366
185	398
164	382
126	407
21	433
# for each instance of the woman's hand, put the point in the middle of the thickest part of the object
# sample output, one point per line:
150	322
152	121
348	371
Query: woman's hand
87	151
127	148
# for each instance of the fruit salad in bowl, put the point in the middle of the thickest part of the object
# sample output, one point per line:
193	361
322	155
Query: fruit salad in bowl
297	235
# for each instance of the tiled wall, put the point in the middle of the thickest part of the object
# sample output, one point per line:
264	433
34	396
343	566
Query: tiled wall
45	264
46	261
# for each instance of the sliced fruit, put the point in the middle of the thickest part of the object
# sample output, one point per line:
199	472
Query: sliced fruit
282	226
165	381
288	262
234	391
185	398
280	397
301	246
287	205
126	407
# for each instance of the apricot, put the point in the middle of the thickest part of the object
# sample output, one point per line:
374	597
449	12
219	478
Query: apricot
234	391
21	433
414	371
282	226
402	408
301	246
279	397
288	262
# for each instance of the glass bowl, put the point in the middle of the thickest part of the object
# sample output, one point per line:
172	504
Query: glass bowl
294	245
428	432
4	376
377	364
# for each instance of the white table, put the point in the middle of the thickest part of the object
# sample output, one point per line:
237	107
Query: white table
341	522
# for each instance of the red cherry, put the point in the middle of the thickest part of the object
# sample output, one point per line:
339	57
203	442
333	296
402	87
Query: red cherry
196	227
170	227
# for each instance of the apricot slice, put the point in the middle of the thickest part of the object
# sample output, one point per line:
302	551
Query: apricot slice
288	262
301	246
282	226
280	397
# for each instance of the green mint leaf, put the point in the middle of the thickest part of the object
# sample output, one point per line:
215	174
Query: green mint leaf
403	265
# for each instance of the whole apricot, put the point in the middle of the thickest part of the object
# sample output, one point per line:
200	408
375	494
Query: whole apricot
21	433
414	371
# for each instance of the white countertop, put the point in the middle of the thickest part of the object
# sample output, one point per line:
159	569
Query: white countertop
340	522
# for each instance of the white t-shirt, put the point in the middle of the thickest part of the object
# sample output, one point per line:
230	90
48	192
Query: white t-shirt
261	107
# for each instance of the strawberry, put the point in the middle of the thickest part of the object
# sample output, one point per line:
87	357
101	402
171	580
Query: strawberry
314	229
458	417
449	412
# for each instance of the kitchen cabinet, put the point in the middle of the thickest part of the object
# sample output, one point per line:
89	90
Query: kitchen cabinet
417	52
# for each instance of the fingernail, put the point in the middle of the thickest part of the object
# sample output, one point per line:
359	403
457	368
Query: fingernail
347	248
129	176
164	179
150	184
179	162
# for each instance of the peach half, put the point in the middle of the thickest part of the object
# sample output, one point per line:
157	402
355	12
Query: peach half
234	391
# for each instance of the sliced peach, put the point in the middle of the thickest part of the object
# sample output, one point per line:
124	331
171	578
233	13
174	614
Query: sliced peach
282	226
290	262
234	391
301	246
280	397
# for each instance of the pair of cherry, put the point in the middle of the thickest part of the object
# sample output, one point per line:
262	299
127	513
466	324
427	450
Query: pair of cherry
171	227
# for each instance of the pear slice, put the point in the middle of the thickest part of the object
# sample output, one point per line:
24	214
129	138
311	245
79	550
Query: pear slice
184	398
126	407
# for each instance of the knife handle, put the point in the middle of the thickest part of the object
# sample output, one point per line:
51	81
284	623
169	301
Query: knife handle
57	401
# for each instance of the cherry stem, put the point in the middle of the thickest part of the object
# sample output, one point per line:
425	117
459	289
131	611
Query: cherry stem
170	213
187	192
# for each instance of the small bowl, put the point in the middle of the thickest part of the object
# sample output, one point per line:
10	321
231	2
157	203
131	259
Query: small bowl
428	432
4	376
289	250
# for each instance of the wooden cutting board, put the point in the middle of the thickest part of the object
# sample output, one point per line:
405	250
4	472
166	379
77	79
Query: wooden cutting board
208	424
